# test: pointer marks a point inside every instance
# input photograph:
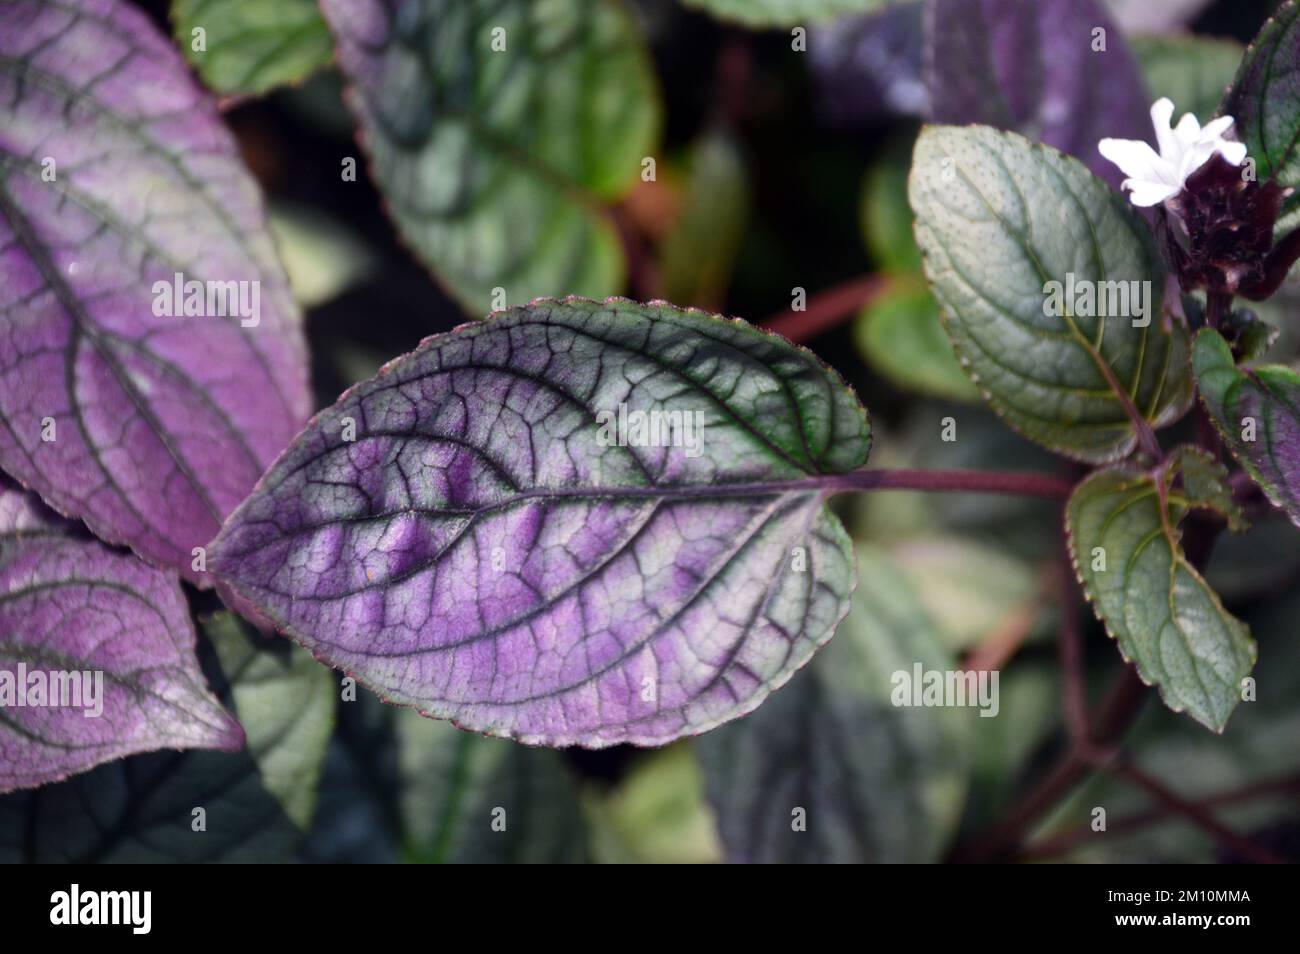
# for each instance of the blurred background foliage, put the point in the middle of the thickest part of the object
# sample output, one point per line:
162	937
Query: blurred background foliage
780	169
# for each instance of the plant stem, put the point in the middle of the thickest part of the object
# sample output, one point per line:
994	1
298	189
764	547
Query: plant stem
968	481
1197	814
1060	844
827	309
1001	841
1217	307
1146	437
1074	697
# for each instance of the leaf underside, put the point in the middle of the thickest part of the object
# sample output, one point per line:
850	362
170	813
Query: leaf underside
113	632
486	551
116	173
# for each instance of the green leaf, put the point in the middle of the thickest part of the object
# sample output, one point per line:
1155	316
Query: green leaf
498	131
1257	413
399	787
700	252
146	808
877	782
251	46
901	335
1124	533
286	701
466	798
657	814
969	588
1029	711
1193	71
1264	99
885	213
1000	218
771	13
1256	749
321	257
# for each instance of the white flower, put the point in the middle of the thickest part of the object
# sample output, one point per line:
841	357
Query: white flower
1184	148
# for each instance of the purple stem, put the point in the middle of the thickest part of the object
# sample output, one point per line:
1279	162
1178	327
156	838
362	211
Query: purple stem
962	481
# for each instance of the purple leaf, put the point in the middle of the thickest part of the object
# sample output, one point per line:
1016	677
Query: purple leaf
107	634
1264	98
116	174
869	65
1035	67
1257	412
484	548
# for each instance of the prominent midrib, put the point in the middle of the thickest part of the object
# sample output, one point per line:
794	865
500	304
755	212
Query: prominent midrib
85	327
820	483
1120	395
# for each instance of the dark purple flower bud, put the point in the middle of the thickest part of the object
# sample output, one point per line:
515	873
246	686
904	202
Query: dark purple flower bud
1218	231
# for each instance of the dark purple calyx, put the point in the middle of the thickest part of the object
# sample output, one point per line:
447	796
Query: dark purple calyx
1218	234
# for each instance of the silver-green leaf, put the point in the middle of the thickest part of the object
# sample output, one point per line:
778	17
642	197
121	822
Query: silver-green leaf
1125	542
1051	290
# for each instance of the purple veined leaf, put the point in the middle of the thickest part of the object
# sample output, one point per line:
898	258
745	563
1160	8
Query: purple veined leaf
96	655
1036	67
868	66
117	176
255	803
1264	98
498	131
575	523
1257	413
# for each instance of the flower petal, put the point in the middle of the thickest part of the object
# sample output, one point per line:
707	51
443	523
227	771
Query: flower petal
1234	152
1188	129
1162	112
1147	194
1215	128
1136	159
1197	155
